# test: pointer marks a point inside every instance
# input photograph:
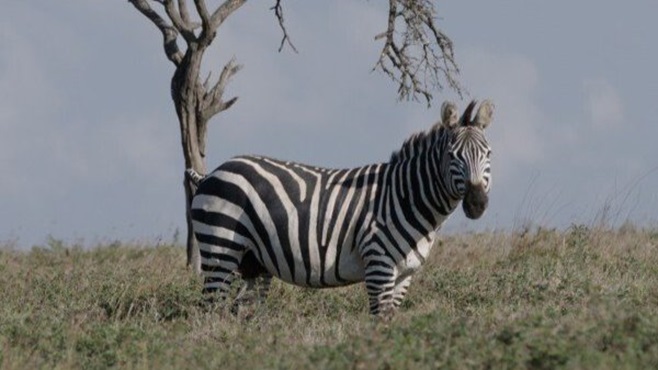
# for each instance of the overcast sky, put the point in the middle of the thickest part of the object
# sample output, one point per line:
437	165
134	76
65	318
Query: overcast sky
90	148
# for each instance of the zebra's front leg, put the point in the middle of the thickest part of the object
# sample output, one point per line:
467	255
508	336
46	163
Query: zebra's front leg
380	284
400	290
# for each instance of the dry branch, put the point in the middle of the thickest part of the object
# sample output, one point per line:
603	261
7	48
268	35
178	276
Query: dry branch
184	12
186	28
169	32
224	11
209	22
278	12
212	100
416	54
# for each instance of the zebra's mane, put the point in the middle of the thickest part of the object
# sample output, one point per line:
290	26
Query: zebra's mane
415	142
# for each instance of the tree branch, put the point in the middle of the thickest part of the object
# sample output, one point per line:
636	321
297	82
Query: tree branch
278	11
224	10
169	33
201	8
210	23
184	27
419	57
212	99
184	13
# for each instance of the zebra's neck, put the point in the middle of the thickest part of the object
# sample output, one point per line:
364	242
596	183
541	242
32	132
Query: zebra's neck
418	187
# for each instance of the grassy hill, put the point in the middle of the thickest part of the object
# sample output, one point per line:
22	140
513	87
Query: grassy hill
539	299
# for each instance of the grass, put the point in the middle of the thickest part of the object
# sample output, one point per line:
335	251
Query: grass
538	299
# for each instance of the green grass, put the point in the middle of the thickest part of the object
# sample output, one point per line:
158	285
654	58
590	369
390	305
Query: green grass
541	299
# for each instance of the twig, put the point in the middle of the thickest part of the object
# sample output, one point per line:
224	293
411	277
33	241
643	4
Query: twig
278	11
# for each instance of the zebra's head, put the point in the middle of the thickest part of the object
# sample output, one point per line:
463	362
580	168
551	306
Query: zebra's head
468	155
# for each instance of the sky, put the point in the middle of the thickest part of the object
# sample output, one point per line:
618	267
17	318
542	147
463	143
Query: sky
90	147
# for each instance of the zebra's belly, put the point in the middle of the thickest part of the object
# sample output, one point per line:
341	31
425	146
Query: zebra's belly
351	273
345	269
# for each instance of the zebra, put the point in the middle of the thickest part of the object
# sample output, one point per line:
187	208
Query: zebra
259	217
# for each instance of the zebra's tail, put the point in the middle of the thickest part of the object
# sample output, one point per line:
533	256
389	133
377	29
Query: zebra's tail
194	177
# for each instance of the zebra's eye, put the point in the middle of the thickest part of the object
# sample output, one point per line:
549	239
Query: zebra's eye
489	154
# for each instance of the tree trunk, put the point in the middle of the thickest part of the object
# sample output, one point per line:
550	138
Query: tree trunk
193	255
186	91
195	102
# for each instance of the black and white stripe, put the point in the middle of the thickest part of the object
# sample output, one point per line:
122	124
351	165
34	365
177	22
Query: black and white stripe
260	217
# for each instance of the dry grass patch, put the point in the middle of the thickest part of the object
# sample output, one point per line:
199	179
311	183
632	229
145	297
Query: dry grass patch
541	299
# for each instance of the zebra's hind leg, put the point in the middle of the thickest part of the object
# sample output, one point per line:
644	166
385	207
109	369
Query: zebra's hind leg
219	267
257	282
254	290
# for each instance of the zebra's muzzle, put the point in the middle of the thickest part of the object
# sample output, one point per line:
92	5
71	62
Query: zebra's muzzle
475	201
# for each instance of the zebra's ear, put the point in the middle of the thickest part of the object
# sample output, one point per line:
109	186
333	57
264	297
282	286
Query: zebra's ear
484	115
449	114
465	119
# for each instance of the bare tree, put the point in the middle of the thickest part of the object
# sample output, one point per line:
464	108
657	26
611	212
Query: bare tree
418	58
196	101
